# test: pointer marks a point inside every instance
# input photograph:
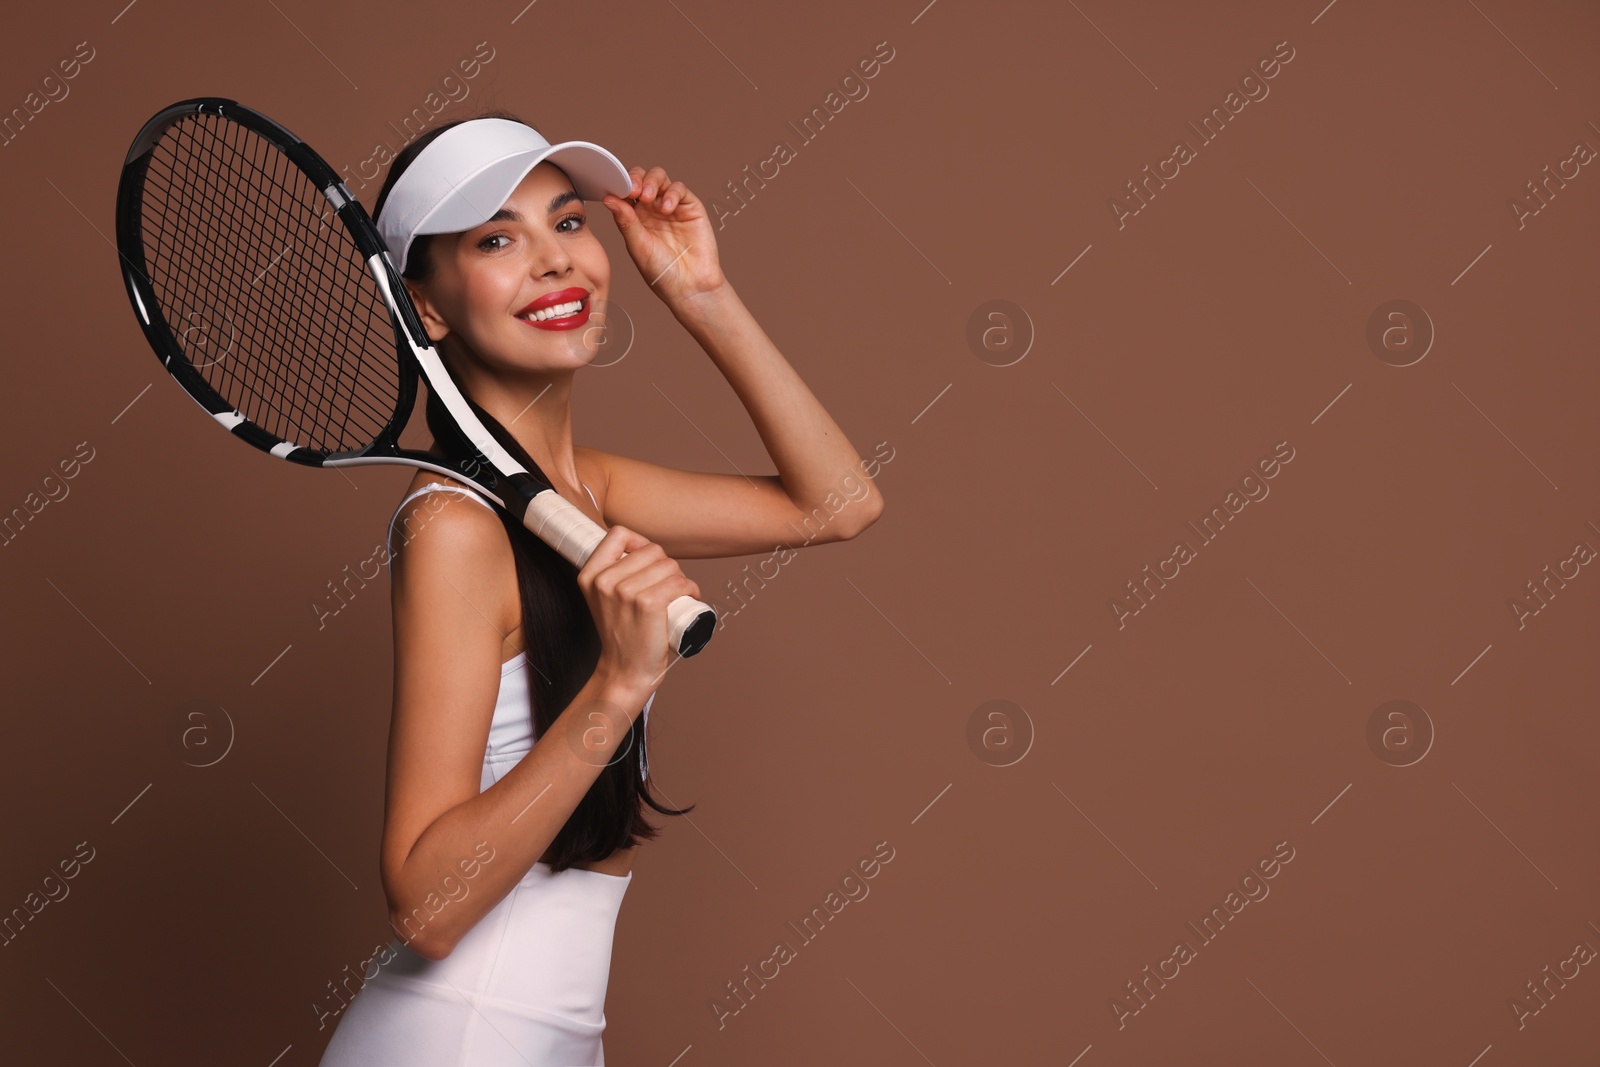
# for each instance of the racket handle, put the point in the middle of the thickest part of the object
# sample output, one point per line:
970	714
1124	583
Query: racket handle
565	528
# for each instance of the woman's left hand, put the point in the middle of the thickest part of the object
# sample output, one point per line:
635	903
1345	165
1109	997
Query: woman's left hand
668	234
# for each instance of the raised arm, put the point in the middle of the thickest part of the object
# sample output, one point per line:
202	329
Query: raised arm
821	492
451	853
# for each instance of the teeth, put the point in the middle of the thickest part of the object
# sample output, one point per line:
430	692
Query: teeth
555	312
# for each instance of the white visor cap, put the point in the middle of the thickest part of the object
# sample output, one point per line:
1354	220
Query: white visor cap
468	172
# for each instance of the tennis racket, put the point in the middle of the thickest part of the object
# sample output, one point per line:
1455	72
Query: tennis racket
265	290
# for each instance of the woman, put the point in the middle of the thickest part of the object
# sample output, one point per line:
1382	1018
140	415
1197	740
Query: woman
504	861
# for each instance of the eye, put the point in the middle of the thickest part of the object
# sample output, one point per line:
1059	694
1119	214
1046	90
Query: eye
578	219
492	237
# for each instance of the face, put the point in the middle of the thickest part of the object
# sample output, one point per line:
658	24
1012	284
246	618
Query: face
538	244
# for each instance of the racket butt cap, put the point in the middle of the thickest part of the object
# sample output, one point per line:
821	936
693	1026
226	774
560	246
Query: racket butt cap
690	624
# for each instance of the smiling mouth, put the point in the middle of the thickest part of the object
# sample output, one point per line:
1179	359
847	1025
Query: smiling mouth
563	316
557	311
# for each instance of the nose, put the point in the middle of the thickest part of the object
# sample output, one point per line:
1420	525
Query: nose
545	256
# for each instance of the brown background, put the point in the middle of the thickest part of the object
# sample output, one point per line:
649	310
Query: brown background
835	711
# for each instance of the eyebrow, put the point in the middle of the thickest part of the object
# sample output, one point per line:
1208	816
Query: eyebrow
554	206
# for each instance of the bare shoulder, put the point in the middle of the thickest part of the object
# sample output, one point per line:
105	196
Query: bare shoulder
425	505
442	537
429	477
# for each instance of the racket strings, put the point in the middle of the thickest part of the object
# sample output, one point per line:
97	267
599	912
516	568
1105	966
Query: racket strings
246	375
263	288
288	380
295	377
299	378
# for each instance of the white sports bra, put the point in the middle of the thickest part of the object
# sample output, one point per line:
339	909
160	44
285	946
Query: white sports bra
511	731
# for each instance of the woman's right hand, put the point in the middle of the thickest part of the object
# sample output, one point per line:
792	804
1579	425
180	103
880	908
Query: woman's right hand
628	581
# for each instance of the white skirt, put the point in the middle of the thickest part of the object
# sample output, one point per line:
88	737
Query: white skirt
526	985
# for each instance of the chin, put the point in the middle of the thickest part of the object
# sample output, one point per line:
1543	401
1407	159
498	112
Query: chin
557	353
582	347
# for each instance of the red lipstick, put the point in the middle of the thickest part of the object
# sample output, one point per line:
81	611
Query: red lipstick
570	321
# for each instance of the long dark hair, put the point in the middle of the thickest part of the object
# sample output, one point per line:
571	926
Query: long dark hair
563	645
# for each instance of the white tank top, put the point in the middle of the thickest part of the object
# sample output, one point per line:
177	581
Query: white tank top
511	733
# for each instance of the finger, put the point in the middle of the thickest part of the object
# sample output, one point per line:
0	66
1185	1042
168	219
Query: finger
622	211
673	587
670	588
655	179
613	574
638	584
675	194
618	541
637	174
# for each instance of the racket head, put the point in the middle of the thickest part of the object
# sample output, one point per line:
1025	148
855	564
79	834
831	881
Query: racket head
255	275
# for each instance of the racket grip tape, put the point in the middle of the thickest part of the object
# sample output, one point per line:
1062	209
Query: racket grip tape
564	527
